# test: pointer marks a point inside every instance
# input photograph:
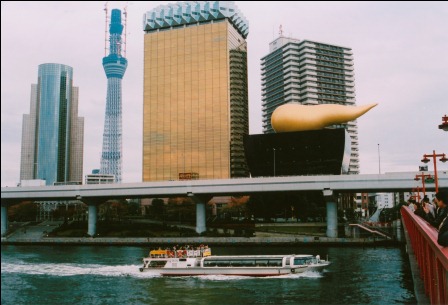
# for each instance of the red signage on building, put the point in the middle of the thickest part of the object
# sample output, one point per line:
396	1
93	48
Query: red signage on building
188	176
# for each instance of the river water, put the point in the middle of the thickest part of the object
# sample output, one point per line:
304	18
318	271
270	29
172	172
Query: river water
109	275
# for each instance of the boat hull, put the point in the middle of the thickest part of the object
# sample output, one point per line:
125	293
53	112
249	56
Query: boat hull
318	267
254	272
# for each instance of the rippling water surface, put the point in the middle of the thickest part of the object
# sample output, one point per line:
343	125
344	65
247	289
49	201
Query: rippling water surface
109	275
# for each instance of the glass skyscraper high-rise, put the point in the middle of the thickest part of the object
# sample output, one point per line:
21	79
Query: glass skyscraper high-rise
195	110
52	134
309	73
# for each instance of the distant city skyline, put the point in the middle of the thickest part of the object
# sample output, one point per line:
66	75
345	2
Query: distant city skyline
400	64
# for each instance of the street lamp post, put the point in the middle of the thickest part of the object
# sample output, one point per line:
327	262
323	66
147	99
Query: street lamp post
417	197
434	155
379	160
422	176
274	161
444	125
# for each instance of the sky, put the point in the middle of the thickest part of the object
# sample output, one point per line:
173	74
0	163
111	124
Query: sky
400	54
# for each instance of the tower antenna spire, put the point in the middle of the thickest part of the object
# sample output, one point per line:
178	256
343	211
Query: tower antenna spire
105	29
125	13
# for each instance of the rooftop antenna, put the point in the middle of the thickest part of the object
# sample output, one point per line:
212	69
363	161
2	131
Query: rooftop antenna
105	30
125	13
280	31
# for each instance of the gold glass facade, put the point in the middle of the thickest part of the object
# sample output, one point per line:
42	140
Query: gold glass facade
195	110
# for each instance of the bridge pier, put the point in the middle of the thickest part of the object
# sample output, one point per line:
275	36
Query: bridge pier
200	217
92	220
332	213
4	220
200	202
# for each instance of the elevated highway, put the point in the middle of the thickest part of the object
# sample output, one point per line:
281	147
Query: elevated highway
202	190
393	182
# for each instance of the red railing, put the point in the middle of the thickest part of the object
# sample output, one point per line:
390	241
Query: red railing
432	259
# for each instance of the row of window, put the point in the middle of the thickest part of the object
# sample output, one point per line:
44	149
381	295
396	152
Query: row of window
318	86
316	62
331	97
329	53
243	263
331	58
328	47
338	76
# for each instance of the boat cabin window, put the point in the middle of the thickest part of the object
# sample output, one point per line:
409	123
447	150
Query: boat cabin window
157	264
261	262
275	262
243	263
302	261
287	261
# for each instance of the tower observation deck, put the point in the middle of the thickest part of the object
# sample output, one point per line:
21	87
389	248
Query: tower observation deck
115	66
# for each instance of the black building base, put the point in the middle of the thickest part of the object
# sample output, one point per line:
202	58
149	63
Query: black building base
314	152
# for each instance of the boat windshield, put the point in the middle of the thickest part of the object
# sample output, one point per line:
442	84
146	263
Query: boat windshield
302	260
157	264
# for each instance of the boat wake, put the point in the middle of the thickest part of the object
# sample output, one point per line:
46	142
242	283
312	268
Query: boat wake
76	269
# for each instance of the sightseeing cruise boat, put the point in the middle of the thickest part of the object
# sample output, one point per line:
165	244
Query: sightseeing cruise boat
201	262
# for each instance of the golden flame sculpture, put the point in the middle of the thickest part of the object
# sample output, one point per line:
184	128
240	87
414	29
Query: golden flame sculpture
296	117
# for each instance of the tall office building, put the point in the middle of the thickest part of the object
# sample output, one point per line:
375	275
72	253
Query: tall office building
195	110
309	73
53	134
115	66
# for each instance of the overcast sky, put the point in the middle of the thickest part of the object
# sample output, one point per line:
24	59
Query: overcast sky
400	55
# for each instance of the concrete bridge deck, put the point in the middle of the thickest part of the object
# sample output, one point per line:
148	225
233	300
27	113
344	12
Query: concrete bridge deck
341	183
203	190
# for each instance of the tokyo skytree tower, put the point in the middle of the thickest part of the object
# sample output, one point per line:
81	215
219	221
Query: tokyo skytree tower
115	66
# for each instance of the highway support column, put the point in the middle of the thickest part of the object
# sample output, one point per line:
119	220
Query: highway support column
4	220
92	220
200	202
200	217
332	213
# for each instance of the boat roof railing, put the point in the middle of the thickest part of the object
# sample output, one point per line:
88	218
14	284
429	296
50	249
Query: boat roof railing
260	256
169	253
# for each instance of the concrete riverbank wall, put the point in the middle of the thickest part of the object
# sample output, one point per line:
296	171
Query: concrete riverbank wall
247	241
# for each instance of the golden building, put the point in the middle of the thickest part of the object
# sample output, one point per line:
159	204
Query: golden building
195	105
